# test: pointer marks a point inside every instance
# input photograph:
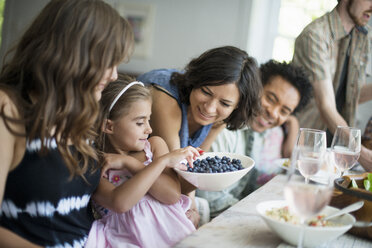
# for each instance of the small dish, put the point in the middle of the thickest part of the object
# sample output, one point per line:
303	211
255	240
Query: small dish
345	195
313	236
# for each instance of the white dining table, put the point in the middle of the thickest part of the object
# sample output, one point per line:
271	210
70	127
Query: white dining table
241	225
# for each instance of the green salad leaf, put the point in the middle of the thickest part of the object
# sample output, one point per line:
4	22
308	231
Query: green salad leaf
368	182
354	183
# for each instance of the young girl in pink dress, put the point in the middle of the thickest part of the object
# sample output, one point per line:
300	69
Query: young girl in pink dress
148	209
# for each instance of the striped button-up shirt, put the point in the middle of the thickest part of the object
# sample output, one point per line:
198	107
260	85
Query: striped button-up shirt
321	50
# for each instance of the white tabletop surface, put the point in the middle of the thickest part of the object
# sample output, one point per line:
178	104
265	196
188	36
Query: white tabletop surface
241	226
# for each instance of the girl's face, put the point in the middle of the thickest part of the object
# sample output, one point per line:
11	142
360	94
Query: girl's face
110	75
130	132
210	104
279	100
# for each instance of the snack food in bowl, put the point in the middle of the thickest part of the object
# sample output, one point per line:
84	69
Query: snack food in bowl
345	194
288	229
283	214
219	173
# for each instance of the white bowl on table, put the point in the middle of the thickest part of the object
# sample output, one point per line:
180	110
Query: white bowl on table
313	236
217	181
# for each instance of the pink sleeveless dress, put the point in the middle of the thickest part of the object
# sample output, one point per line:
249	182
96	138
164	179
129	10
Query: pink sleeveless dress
149	223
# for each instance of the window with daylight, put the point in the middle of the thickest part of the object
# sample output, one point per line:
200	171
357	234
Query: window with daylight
294	15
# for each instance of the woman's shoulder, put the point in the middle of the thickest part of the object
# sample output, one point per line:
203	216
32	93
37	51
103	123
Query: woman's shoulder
4	96
165	104
157	76
8	105
160	79
9	110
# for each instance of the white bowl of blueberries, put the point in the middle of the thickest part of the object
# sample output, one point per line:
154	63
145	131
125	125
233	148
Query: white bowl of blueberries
215	171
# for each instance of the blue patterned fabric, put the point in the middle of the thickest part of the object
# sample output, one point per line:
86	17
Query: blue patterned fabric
161	77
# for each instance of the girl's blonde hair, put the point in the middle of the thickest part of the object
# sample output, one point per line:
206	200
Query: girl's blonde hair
55	68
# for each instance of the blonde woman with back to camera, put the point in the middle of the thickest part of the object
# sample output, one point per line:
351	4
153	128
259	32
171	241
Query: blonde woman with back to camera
49	93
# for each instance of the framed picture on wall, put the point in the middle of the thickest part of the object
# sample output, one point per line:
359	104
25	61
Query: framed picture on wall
141	17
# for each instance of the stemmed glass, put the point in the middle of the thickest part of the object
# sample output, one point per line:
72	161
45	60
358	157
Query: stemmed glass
310	149
346	145
307	199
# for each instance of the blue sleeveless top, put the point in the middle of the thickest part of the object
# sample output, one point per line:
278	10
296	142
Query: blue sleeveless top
41	203
162	78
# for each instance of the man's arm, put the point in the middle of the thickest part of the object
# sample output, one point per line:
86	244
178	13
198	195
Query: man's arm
312	52
290	137
365	158
326	104
366	93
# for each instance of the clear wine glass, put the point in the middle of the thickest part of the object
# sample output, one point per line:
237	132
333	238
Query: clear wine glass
307	199
346	145
310	148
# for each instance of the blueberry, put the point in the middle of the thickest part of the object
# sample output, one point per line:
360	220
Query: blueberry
215	164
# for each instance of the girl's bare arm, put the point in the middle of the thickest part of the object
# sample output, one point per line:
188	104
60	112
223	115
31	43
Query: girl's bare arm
125	196
167	188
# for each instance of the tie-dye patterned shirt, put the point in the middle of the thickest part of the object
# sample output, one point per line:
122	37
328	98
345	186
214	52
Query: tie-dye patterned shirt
41	203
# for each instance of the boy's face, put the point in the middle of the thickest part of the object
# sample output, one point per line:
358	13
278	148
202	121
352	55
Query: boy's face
279	99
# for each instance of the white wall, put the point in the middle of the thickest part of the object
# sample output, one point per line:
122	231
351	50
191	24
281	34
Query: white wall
17	16
262	28
184	29
181	29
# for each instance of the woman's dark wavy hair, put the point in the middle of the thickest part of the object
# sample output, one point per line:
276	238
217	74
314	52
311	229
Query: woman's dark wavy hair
219	66
295	75
58	63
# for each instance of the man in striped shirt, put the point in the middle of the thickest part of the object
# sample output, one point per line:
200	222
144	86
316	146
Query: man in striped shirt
335	50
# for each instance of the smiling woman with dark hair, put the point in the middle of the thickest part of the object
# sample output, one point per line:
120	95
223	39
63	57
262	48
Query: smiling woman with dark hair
219	88
221	85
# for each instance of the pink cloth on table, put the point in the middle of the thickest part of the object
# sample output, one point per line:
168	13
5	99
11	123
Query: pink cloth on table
149	223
